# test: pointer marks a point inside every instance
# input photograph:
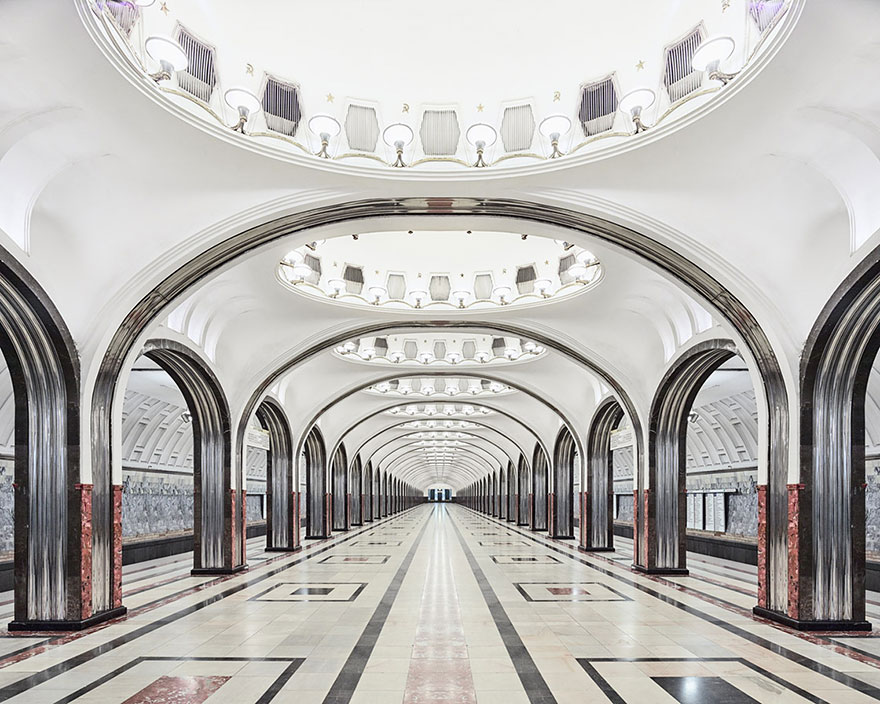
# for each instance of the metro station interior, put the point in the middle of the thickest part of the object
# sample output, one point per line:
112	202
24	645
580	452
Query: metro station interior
385	353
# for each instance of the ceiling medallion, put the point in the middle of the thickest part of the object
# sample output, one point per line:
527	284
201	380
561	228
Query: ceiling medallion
438	350
385	270
439	387
436	135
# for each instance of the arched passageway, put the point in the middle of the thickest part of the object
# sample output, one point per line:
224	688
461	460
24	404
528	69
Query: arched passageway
218	510
597	500
317	496
539	489
341	498
561	498
282	503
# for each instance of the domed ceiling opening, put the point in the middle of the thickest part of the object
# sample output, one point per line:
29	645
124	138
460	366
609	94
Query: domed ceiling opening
385	83
440	270
439	350
441	386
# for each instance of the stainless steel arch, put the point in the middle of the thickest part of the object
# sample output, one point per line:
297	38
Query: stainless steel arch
638	244
666	511
282	525
212	457
597	525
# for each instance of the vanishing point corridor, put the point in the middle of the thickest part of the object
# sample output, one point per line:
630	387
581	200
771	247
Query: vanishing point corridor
439	604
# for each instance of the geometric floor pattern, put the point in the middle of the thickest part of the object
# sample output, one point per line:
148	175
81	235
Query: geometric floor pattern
448	614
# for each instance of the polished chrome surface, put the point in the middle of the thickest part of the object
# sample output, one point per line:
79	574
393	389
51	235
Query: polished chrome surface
340	489
600	470
835	387
667	448
316	484
212	461
41	432
563	485
280	473
539	489
641	245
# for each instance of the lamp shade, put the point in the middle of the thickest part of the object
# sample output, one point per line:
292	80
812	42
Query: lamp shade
712	51
324	124
638	99
554	125
397	132
481	132
239	98
163	49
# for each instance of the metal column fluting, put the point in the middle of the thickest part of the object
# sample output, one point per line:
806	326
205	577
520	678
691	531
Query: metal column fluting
279	475
316	484
600	471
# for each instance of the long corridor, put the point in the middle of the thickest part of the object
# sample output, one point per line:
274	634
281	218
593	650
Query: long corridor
440	604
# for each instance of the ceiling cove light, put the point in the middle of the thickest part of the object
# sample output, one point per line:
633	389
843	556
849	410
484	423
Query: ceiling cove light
635	103
245	102
168	54
398	136
709	56
325	127
481	136
553	128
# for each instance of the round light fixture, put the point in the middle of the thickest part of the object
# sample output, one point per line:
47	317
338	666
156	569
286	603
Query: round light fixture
461	296
368	353
168	54
634	103
542	286
481	136
396	356
453	357
553	128
482	357
501	293
301	270
426	357
378	293
710	54
337	286
398	136
245	102
418	295
326	127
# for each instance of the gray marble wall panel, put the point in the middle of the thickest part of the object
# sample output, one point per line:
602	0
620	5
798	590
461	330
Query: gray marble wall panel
154	504
624	507
6	505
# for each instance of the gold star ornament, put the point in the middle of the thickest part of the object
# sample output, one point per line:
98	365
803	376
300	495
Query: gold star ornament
330	97
164	8
640	66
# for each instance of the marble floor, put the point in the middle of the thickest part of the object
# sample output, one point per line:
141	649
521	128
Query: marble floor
439	604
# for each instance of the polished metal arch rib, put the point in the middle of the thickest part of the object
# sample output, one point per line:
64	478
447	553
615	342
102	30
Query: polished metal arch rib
640	245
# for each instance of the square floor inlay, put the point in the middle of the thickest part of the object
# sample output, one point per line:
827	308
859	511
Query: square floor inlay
525	559
313	591
355	560
496	543
728	680
568	591
189	680
374	543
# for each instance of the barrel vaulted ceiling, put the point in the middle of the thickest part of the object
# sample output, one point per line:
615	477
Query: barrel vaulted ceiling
107	186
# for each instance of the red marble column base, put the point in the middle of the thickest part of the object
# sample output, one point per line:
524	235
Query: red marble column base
86	617
85	506
243	560
585	520
794	574
116	596
551	515
762	545
799	612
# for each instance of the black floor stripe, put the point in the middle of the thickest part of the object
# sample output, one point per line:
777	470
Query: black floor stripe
15	688
347	680
532	681
841	677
